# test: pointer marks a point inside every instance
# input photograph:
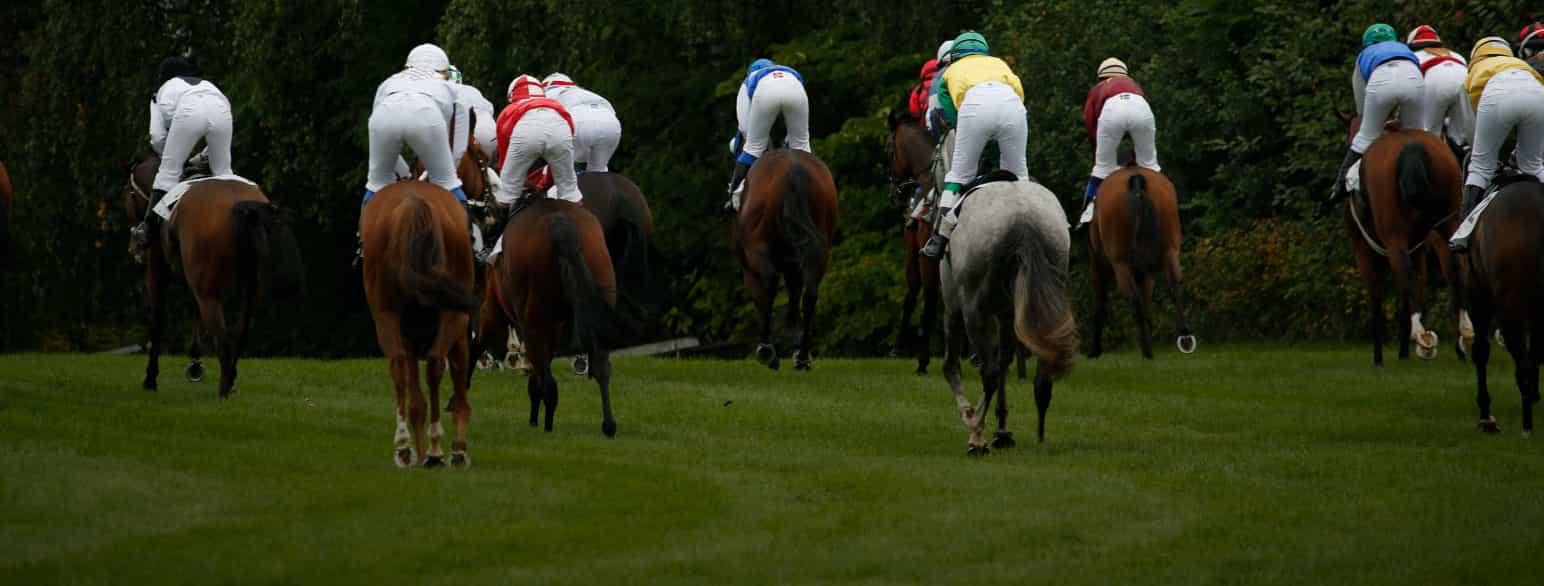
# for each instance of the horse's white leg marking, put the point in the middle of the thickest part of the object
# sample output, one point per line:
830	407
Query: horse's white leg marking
403	441
436	433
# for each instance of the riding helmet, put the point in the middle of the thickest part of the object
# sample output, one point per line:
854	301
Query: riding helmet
971	43
758	65
556	79
177	66
1378	33
428	56
1489	47
1111	67
1423	37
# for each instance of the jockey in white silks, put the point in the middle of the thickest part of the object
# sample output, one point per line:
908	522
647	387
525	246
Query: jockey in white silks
770	91
597	131
186	108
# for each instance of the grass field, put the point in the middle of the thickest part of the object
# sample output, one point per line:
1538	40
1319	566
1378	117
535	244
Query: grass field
1240	464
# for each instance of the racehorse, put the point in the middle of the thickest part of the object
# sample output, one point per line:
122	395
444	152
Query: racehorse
1134	235
1004	284
419	282
785	228
911	160
1410	186
1506	270
227	239
7	201
554	281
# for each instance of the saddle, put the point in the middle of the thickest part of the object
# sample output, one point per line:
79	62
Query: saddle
996	176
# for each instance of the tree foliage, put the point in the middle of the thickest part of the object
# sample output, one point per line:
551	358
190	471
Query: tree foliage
1245	94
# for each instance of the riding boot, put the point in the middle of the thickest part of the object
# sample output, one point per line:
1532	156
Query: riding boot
940	239
145	233
1089	194
1339	191
1460	240
501	215
736	181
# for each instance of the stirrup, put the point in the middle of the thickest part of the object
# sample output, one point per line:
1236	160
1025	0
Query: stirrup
935	246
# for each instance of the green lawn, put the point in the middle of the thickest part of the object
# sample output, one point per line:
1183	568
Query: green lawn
1240	464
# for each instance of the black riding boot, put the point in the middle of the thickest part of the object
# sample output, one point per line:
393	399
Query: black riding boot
1339	191
1472	194
940	239
740	169
501	216
145	232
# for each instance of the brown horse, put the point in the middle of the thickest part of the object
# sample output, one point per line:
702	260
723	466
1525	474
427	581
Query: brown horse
1135	235
228	240
1410	186
785	228
1506	274
7	201
554	282
418	279
911	162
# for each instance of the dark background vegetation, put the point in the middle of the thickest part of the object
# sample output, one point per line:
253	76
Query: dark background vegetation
1245	94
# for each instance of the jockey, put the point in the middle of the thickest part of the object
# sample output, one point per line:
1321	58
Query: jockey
1530	46
417	107
1115	108
916	102
982	97
596	128
1506	93
532	127
484	123
770	91
185	108
930	117
1387	75
1444	73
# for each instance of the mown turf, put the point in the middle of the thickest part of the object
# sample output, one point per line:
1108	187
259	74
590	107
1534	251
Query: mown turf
1242	464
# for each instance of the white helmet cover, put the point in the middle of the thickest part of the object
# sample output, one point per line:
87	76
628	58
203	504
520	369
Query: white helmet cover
428	56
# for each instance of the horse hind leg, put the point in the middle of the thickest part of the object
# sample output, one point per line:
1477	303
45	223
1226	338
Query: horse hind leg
403	452
804	358
1372	277
1481	355
601	367
983	337
761	282
1186	342
212	318
155	297
1528	378
434	373
1003	438
1404	279
461	406
1134	288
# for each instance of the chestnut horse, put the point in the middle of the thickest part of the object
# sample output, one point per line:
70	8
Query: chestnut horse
228	240
554	282
1506	275
7	201
1410	186
419	282
911	165
1135	235
785	228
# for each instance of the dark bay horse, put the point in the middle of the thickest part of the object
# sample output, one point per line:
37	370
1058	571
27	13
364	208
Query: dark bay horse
7	202
1506	288
911	161
1005	284
1134	236
785	228
554	282
419	282
1411	185
229	241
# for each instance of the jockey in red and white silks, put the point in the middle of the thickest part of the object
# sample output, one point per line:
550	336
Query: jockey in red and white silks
1115	108
1444	95
533	127
597	131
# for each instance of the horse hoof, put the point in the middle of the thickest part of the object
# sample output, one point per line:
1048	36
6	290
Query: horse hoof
766	354
609	428
405	457
1426	353
976	451
486	361
775	363
226	393
581	365
148	385
433	462
1489	425
1003	440
460	460
1527	433
921	372
1186	344
195	372
802	363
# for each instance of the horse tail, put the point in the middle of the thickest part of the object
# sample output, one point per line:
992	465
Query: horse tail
596	322
636	289
798	221
419	254
1146	243
1412	173
1042	314
266	251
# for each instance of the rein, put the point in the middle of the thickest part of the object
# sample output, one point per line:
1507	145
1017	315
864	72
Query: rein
137	191
1373	242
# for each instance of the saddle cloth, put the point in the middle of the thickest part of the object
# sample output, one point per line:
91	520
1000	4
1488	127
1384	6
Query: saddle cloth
169	201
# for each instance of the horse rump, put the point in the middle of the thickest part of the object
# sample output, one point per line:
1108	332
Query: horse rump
1146	239
419	251
1042	314
266	250
596	322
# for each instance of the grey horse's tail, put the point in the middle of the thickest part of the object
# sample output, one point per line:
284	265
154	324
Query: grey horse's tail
1042	314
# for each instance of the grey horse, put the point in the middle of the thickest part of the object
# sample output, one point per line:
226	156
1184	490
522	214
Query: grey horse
1005	283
